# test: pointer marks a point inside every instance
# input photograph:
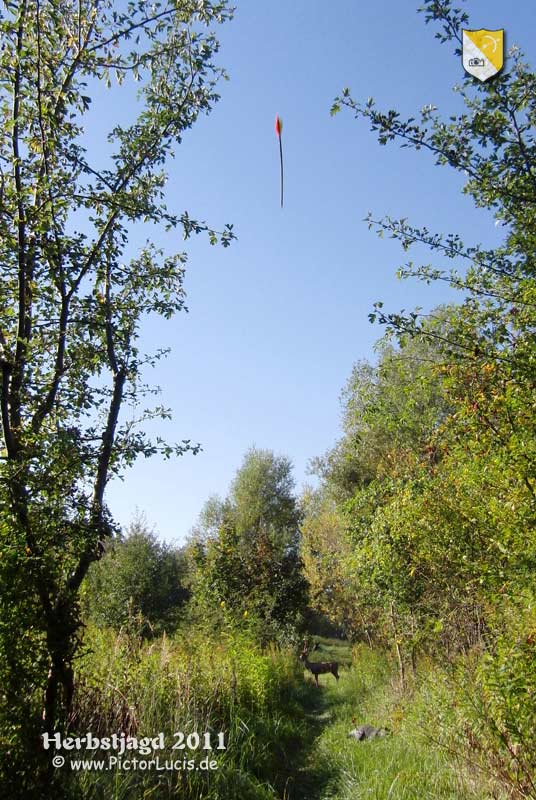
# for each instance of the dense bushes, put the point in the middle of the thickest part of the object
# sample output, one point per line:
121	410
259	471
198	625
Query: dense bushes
437	544
138	578
491	696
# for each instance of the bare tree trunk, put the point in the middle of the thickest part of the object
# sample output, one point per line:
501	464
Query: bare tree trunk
401	667
413	648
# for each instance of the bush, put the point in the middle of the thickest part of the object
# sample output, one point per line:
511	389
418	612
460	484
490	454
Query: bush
138	578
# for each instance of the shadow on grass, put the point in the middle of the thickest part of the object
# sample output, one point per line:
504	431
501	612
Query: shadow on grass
313	773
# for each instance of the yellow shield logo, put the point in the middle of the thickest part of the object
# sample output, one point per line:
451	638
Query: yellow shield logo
483	53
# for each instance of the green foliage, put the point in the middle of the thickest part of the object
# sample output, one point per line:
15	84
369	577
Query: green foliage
22	662
138	578
484	705
249	570
432	483
196	684
390	412
404	764
492	145
72	299
262	493
359	548
325	551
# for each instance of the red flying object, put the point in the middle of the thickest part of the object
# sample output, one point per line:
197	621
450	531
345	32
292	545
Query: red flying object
278	129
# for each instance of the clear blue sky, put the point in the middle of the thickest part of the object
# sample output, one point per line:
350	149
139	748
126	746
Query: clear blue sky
277	320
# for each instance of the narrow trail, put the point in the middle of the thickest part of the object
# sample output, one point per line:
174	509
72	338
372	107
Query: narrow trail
401	766
316	775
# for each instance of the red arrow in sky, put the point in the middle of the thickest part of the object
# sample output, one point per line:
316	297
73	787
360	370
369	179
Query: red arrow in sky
278	130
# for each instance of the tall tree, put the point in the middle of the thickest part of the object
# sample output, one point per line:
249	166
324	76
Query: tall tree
72	297
249	562
451	549
262	494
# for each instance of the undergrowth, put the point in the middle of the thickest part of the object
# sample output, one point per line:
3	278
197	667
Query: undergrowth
191	685
284	738
410	763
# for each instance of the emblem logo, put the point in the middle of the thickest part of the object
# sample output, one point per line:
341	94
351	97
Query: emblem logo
483	53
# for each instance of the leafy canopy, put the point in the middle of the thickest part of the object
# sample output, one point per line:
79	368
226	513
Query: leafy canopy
74	291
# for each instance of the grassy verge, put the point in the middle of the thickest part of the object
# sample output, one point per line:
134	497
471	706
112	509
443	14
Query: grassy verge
285	739
406	765
192	685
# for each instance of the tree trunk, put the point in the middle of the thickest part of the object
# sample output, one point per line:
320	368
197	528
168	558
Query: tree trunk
400	659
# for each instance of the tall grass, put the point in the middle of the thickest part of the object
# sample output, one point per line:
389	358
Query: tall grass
285	739
408	764
191	685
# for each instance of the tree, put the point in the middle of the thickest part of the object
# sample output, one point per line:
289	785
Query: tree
493	146
326	551
487	344
72	298
452	549
262	494
138	579
249	564
391	415
388	409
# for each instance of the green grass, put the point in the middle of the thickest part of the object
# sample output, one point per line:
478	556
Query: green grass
288	739
193	684
403	766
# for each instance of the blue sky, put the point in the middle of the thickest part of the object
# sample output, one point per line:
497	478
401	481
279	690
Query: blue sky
277	320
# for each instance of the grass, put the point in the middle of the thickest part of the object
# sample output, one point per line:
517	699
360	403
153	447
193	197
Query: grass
402	766
288	739
192	685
